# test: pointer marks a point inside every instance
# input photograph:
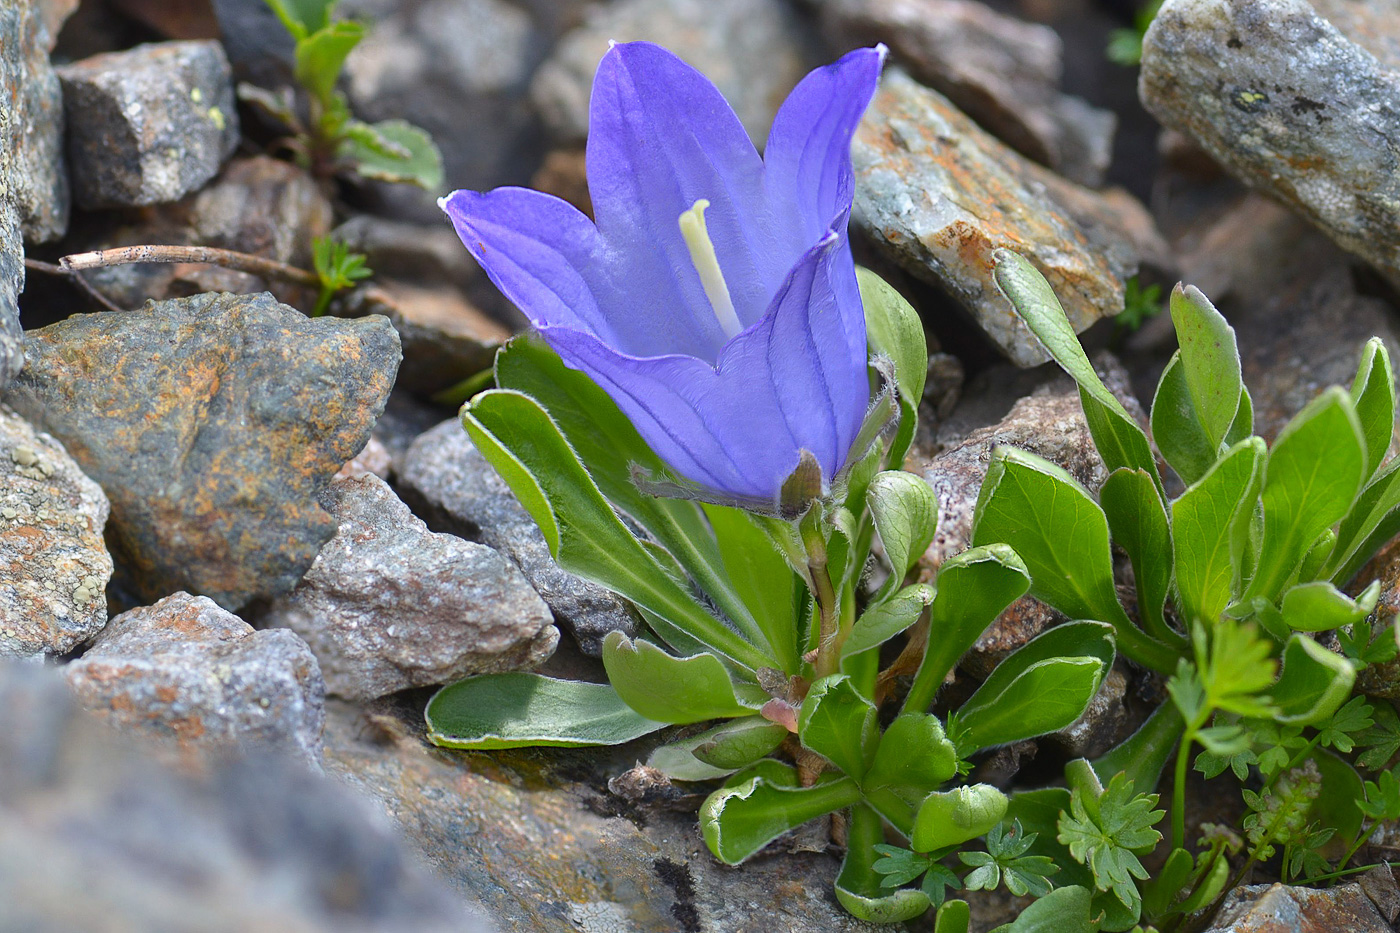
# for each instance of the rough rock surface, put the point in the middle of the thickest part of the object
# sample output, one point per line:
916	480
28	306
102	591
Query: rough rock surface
452	486
1279	908
31	139
1001	71
150	124
445	338
939	195
212	423
54	567
1289	105
97	835
536	839
264	206
753	50
389	605
188	671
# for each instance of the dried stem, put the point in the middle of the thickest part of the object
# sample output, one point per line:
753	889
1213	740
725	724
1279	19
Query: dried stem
229	259
92	291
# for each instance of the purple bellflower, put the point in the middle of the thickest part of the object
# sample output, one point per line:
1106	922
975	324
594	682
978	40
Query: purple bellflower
715	298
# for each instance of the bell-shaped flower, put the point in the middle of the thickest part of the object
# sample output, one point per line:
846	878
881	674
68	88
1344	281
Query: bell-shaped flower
715	297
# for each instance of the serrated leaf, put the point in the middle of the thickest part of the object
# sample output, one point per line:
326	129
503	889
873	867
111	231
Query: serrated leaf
1373	394
584	534
401	152
752	810
1210	360
1314	473
517	709
1138	524
839	724
953	817
666	688
1117	435
1176	426
905	511
1209	522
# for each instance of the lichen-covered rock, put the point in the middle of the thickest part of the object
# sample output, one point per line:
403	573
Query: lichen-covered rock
1289	105
32	174
448	482
1001	71
188	671
212	423
97	832
939	195
54	567
752	50
389	605
1278	908
149	124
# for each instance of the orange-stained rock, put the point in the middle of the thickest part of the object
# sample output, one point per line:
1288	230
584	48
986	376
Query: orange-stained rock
212	423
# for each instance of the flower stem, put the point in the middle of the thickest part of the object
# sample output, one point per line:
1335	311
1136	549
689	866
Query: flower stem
828	605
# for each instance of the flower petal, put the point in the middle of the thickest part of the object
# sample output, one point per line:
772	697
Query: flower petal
661	137
542	253
792	381
808	179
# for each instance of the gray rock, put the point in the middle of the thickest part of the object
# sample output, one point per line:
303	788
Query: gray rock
54	567
263	206
454	489
1104	723
938	195
455	68
31	140
388	605
530	836
999	70
1289	105
150	124
1278	908
212	423
188	671
412	252
97	834
753	50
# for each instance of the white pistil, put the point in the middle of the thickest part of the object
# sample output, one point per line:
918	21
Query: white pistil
702	256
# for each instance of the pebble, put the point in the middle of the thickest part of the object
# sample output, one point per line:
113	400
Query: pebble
54	566
190	672
150	124
454	489
212	423
388	605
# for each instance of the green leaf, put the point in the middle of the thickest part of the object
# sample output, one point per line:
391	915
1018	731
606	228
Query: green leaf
1315	472
1373	520
914	754
1043	686
755	808
1058	530
1210	361
1176	427
1063	910
1138	524
585	536
1320	607
1373	394
839	724
321	55
882	621
393	151
860	889
1143	755
953	917
1117	435
742	572
905	511
517	709
1336	806
972	590
1109	833
1313	683
1381	740
303	17
740	743
666	688
953	817
1209	526
894	330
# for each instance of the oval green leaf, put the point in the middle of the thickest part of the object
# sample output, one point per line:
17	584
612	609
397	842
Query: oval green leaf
666	688
953	817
